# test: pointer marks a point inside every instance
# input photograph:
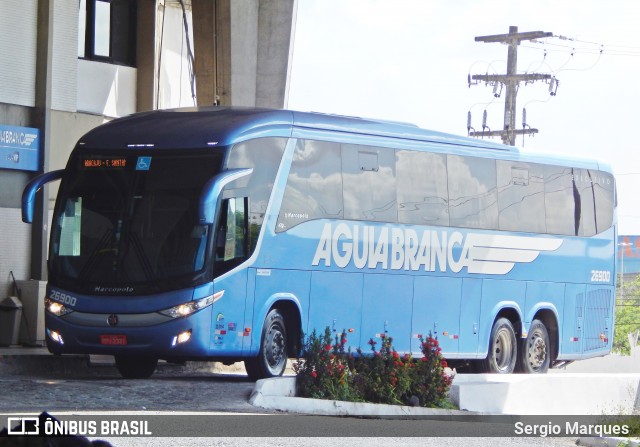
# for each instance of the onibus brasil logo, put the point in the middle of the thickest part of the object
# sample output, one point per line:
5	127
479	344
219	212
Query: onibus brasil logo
406	249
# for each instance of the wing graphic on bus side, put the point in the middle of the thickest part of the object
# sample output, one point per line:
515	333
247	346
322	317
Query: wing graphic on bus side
497	254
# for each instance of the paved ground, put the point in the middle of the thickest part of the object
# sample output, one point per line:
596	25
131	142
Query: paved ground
188	393
39	383
34	383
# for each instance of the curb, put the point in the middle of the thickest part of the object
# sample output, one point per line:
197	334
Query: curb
607	442
279	394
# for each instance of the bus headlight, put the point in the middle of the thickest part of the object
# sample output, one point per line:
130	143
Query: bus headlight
56	308
186	309
55	336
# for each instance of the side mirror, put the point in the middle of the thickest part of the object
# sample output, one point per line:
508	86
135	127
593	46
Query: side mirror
211	192
29	193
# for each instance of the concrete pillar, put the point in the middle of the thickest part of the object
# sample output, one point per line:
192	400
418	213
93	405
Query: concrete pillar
274	37
146	55
242	51
204	48
42	120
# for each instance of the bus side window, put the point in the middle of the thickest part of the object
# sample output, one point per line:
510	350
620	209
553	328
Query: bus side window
231	234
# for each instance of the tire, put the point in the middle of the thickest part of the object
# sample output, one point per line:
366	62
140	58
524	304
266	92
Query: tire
131	367
272	357
534	355
503	349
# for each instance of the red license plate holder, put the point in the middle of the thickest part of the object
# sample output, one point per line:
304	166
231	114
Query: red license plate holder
113	340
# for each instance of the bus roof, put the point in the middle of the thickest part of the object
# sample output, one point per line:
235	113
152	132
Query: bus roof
202	127
199	127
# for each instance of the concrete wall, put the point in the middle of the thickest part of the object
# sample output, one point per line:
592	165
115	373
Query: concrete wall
18	22
105	89
15	237
64	58
15	248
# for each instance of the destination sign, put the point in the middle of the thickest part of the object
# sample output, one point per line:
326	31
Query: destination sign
104	163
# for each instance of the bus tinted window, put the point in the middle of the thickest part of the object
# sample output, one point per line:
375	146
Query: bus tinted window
369	176
263	155
520	197
562	200
422	188
314	186
472	192
603	191
588	216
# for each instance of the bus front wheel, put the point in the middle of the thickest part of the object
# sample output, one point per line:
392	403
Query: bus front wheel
131	367
272	358
534	353
503	349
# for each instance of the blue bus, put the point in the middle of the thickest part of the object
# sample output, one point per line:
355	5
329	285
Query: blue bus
225	234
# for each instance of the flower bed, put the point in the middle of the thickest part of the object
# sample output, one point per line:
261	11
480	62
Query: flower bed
328	370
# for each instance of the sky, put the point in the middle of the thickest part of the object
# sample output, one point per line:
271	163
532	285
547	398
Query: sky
409	60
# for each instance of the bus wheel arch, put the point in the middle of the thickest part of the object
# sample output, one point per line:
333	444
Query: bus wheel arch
278	341
293	324
502	353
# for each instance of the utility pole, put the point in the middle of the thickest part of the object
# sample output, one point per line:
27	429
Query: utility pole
511	81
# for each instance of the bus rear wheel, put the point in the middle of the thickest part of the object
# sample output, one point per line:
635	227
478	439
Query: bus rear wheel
503	349
131	367
534	352
272	358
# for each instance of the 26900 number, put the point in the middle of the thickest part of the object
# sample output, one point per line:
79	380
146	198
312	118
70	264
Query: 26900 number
600	276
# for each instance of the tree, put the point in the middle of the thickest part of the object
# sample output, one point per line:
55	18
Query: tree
627	316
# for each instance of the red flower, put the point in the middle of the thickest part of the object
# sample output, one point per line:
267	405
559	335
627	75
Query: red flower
327	348
443	363
314	374
396	355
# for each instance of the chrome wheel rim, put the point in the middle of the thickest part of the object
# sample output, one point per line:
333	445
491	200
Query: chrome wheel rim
275	350
537	351
503	350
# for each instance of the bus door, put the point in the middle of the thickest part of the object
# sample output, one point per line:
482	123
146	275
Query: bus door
469	317
231	248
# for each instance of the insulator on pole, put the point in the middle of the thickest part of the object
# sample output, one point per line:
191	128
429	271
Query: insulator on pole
469	120
524	117
553	86
484	118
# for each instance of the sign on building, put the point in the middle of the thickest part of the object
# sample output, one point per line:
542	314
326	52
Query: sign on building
19	147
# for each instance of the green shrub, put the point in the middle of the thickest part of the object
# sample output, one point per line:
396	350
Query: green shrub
329	371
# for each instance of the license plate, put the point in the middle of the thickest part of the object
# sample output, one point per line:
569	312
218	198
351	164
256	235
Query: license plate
113	340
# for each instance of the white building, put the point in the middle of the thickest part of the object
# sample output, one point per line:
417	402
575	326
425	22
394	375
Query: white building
67	66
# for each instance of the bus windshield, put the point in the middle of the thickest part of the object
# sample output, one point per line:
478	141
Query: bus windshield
125	221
